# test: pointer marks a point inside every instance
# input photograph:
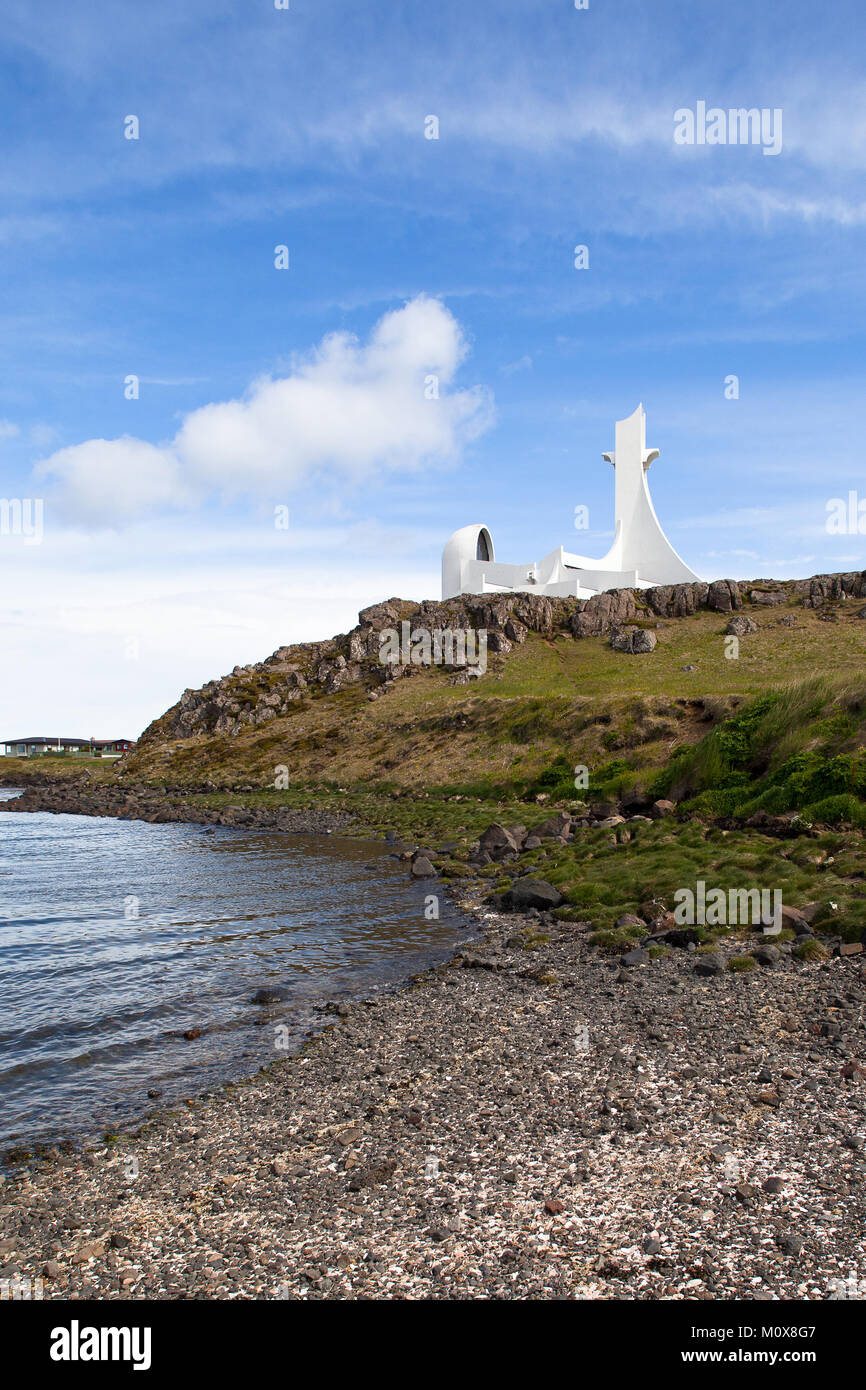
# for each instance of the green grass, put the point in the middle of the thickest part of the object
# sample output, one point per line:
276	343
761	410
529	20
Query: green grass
799	748
17	771
739	965
811	950
601	881
591	668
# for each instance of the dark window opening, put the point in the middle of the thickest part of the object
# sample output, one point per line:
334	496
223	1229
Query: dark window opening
482	550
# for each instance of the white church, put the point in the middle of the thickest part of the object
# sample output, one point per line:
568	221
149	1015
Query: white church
641	555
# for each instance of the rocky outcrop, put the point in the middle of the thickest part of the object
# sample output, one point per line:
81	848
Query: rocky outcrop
635	640
724	595
257	694
597	615
677	600
830	588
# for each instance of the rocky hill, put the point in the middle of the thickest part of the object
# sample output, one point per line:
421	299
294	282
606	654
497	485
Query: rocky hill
256	694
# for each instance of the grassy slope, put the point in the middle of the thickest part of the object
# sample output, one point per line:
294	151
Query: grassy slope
576	701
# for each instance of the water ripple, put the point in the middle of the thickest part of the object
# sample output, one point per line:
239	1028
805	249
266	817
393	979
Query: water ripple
116	937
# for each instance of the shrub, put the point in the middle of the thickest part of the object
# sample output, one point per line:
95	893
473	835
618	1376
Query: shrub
740	964
755	761
556	780
833	810
617	939
825	919
553	775
850	924
811	950
613	771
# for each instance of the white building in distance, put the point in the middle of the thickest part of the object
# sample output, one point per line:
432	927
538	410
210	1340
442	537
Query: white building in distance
641	555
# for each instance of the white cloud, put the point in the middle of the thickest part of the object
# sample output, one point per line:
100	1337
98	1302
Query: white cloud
8	430
349	411
106	480
764	205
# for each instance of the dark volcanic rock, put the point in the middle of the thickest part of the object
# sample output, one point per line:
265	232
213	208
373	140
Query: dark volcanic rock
553	828
422	868
677	600
602	612
768	597
531	892
497	841
637	641
767	955
723	596
270	994
636	957
683	937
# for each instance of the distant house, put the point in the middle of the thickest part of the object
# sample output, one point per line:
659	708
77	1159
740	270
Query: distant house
75	747
111	747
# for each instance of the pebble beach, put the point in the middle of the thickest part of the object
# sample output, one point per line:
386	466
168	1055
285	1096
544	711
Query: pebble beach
531	1120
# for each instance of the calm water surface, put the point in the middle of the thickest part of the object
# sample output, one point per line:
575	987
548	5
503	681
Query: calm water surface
116	937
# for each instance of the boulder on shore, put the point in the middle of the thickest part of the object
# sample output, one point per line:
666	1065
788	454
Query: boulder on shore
271	994
422	868
553	828
532	892
497	841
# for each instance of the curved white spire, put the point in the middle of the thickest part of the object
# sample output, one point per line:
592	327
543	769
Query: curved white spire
641	554
639	542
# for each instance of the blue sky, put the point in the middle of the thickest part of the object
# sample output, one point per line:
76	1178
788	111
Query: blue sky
160	565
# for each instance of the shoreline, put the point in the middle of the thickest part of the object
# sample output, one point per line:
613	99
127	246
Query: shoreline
15	1152
161	807
704	1144
530	1119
